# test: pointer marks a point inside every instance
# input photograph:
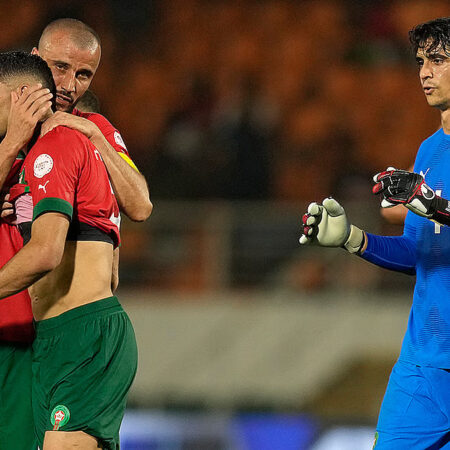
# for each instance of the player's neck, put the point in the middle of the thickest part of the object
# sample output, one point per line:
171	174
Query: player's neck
445	121
34	138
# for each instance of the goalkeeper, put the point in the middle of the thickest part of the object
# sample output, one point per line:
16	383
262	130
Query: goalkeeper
415	413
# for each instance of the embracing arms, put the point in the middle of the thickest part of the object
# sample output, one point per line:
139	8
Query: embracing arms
129	184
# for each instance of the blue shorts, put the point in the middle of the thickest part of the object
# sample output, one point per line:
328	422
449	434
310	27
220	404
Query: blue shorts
415	413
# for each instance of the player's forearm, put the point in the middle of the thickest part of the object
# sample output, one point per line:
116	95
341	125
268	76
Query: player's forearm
396	253
129	185
8	154
23	270
41	255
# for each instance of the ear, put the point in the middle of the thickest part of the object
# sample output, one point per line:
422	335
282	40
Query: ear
14	96
21	89
35	51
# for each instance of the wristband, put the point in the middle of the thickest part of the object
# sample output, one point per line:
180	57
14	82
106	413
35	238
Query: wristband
355	240
441	211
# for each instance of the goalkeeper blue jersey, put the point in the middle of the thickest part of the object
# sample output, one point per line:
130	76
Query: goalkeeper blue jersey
424	249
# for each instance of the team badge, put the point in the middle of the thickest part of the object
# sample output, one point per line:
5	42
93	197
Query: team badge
43	165
59	416
119	140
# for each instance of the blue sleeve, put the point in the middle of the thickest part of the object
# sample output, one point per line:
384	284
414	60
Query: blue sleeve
393	252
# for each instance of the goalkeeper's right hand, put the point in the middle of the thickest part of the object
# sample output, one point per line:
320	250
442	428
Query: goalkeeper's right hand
409	189
327	225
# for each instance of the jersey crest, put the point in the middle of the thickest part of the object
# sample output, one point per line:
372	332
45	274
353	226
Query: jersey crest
42	165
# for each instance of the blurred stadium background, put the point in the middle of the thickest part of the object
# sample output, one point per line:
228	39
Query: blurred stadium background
240	113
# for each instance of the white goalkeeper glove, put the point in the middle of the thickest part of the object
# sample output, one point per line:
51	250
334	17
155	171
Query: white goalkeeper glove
327	225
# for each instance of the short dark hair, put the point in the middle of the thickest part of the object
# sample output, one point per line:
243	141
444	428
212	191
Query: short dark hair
431	36
88	103
15	64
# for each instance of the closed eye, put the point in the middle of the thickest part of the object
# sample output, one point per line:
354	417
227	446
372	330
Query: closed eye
61	65
85	74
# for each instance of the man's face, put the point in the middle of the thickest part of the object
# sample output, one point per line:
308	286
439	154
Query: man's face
72	67
5	105
434	73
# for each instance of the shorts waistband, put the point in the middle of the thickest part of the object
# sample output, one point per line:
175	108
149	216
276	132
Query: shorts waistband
82	313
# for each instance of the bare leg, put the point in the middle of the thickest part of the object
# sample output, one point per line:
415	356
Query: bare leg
68	440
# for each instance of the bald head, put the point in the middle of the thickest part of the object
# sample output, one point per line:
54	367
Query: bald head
81	34
72	51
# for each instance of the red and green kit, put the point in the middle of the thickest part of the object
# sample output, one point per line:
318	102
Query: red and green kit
65	173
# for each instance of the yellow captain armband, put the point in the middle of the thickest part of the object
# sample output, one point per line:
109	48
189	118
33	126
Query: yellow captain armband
129	161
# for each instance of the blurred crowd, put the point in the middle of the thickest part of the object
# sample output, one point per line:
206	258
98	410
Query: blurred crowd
247	99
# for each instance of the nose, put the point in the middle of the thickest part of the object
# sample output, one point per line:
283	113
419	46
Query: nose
426	70
68	82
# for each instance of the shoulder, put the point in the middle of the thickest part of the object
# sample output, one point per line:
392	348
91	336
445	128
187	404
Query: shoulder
60	140
62	134
428	147
108	130
434	138
101	121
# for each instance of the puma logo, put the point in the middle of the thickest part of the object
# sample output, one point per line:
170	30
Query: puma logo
426	192
43	186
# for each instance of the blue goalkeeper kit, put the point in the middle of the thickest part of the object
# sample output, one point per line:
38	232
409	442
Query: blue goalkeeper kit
420	381
424	249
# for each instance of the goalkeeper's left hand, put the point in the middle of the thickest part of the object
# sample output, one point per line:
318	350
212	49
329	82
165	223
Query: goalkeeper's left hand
327	225
400	187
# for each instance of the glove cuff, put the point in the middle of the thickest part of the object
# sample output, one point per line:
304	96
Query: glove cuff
440	211
355	240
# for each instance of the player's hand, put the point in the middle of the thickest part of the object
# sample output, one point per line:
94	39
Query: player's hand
84	126
29	106
400	187
327	225
7	209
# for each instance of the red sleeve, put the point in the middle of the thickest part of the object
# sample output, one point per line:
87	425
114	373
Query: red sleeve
52	170
111	133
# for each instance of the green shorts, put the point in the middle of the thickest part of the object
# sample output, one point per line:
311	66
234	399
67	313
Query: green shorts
16	417
84	362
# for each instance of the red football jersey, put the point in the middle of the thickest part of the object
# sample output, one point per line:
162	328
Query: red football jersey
16	319
66	174
111	134
13	175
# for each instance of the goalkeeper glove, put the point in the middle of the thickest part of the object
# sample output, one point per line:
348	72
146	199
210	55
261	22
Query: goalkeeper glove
327	225
400	187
